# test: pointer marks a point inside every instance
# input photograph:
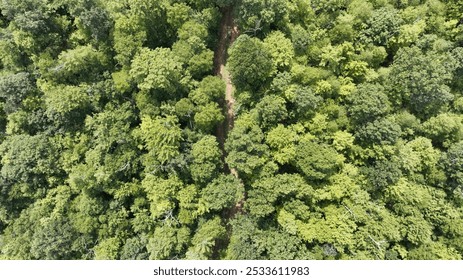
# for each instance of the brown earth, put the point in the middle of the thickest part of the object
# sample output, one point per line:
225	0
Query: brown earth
228	34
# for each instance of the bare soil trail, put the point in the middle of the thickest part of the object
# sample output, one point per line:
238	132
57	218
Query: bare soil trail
228	34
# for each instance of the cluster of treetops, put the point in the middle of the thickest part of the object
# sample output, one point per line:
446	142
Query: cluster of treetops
347	142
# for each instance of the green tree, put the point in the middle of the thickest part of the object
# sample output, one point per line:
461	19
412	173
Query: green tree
162	196
419	156
246	151
168	242
368	103
208	116
34	26
280	49
85	212
258	16
249	62
317	161
434	251
444	129
384	131
382	174
282	142
96	24
335	58
453	162
129	37
415	204
113	154
192	49
210	89
67	101
157	70
11	55
267	193
383	25
14	88
225	191
300	38
81	64
162	137
107	249
271	110
28	159
43	231
189	208
50	239
249	242
306	102
178	14
135	249
205	239
207	160
420	80
242	241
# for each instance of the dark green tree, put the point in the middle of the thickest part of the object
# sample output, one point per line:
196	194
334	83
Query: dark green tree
249	63
368	103
420	80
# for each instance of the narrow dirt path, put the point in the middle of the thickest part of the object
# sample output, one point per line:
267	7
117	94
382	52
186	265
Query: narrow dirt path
228	34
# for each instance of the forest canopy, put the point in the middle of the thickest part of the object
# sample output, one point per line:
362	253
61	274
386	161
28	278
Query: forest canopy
231	129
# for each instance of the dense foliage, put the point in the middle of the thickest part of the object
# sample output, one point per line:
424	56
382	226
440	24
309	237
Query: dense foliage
347	140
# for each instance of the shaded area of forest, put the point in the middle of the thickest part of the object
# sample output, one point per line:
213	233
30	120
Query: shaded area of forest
347	137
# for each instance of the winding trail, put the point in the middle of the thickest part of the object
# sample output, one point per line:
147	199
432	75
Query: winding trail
228	34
